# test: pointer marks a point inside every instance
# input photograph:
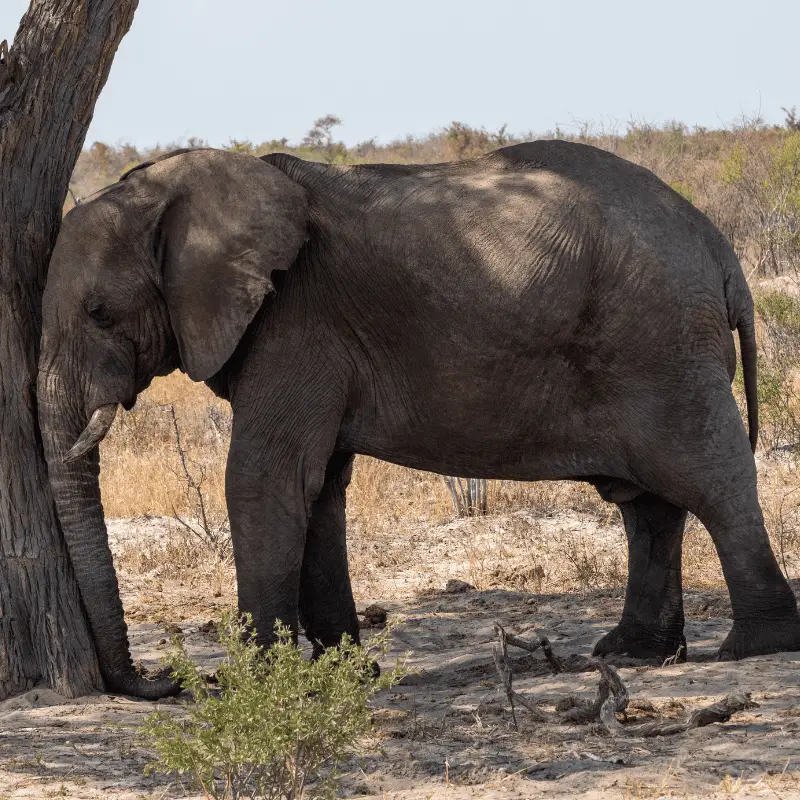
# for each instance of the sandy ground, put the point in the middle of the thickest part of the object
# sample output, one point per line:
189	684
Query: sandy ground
446	732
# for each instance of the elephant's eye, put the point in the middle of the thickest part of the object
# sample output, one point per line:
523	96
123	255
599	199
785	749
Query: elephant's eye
99	314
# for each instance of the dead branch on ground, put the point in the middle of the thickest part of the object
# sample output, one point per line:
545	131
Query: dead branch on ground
611	699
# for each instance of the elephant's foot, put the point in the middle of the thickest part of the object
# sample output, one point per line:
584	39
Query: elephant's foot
761	638
135	685
642	642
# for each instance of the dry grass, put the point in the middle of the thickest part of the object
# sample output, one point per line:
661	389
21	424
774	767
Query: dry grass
141	469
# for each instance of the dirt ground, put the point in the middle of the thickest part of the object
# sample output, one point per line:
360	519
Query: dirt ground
446	732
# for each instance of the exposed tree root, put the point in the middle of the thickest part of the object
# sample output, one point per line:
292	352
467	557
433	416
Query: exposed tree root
611	699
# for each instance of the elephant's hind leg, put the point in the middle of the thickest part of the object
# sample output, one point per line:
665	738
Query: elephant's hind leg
327	608
710	471
651	627
765	618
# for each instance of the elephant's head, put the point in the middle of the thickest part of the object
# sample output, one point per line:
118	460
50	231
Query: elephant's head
165	268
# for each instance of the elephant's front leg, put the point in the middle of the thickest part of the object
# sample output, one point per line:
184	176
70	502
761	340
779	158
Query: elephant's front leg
652	619
327	608
269	514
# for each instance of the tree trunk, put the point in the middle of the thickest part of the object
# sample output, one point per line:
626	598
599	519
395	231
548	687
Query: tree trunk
49	84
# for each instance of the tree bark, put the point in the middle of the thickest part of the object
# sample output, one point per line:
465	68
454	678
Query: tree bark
49	83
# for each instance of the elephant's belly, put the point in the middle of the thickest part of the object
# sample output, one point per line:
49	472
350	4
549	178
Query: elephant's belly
534	416
488	449
553	466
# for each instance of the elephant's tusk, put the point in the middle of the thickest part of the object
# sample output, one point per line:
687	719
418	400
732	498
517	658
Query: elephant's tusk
93	433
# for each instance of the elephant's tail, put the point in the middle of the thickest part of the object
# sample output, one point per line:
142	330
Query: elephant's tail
741	318
747	343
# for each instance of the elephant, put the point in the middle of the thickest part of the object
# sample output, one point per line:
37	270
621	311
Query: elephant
546	311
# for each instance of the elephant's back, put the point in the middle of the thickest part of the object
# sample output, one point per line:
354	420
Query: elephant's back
544	230
623	203
576	226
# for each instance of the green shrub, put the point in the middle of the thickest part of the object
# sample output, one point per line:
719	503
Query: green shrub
732	166
463	141
765	174
277	725
777	402
780	313
778	361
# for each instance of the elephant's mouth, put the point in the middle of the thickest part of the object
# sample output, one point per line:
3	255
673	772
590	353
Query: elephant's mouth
93	433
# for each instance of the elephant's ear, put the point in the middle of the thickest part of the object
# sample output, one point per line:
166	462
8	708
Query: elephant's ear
229	222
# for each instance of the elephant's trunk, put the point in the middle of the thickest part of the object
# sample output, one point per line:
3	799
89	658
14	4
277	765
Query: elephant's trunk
76	490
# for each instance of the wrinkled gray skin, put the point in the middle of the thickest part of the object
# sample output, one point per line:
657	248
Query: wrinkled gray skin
548	311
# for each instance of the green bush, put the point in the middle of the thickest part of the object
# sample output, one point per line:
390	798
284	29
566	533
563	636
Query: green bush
765	174
778	361
780	313
277	725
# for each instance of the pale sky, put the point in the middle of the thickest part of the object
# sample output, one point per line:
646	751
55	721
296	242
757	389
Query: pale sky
261	69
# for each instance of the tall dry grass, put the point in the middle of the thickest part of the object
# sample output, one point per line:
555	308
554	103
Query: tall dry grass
141	468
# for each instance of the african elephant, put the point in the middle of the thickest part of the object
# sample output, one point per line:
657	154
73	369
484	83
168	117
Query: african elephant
547	311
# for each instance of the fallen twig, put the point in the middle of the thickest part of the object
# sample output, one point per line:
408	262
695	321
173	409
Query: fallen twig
500	652
556	664
611	699
717	712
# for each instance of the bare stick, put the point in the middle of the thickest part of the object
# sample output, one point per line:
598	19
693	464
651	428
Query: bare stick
450	481
503	665
716	712
191	483
556	664
506	675
462	490
193	491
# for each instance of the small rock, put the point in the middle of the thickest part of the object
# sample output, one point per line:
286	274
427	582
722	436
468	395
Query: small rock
455	586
